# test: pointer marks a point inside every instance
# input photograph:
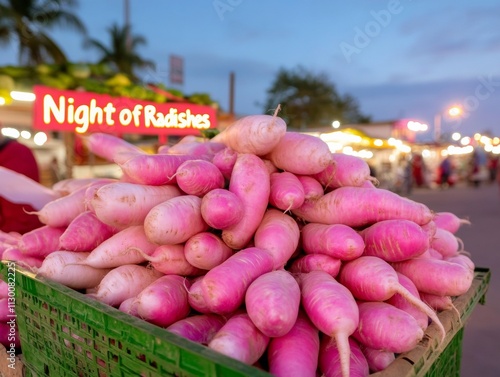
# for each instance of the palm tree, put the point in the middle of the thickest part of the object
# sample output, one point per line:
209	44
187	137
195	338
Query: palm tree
122	53
25	21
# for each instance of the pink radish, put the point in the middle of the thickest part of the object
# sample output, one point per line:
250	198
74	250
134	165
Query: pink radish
124	204
332	309
91	191
330	359
395	240
41	242
438	277
300	153
278	234
225	285
431	253
124	282
439	303
170	260
445	242
85	233
312	188
255	134
357	206
430	228
338	241
400	302
225	160
270	166
272	302
61	267
175	220
449	221
164	301
199	328
195	298
121	248
69	185
286	191
206	250
345	170
195	148
23	260
373	279
60	212
385	327
128	306
240	339
251	183
316	262
11	238
156	169
221	209
108	146
377	360
198	177
296	353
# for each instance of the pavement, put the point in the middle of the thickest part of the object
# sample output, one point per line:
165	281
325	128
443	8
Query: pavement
481	206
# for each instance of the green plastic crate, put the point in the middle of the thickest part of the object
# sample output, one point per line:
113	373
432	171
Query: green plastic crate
64	333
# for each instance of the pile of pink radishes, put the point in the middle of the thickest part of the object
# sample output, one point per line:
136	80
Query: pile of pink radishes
260	244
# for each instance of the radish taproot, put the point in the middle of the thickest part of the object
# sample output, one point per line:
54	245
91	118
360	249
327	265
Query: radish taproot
206	250
124	282
40	242
345	170
225	285
332	309
286	191
198	177
337	240
371	278
435	276
221	209
62	267
316	262
175	220
296	353
449	221
272	302
250	181
164	301
85	233
255	134
200	328
279	234
124	204
170	260
300	153
385	327
395	240
121	248
359	206
240	339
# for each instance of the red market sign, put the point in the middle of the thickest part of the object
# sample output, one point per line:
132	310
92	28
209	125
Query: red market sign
82	112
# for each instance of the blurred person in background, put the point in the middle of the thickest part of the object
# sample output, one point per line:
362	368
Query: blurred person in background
445	172
19	158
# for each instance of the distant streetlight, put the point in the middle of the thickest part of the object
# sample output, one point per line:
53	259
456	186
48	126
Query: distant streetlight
453	112
335	124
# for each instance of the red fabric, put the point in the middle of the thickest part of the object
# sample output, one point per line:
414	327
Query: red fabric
13	218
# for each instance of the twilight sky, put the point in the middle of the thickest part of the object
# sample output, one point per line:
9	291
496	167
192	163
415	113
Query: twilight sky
399	58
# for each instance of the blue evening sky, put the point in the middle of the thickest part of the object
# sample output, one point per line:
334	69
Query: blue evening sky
398	58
